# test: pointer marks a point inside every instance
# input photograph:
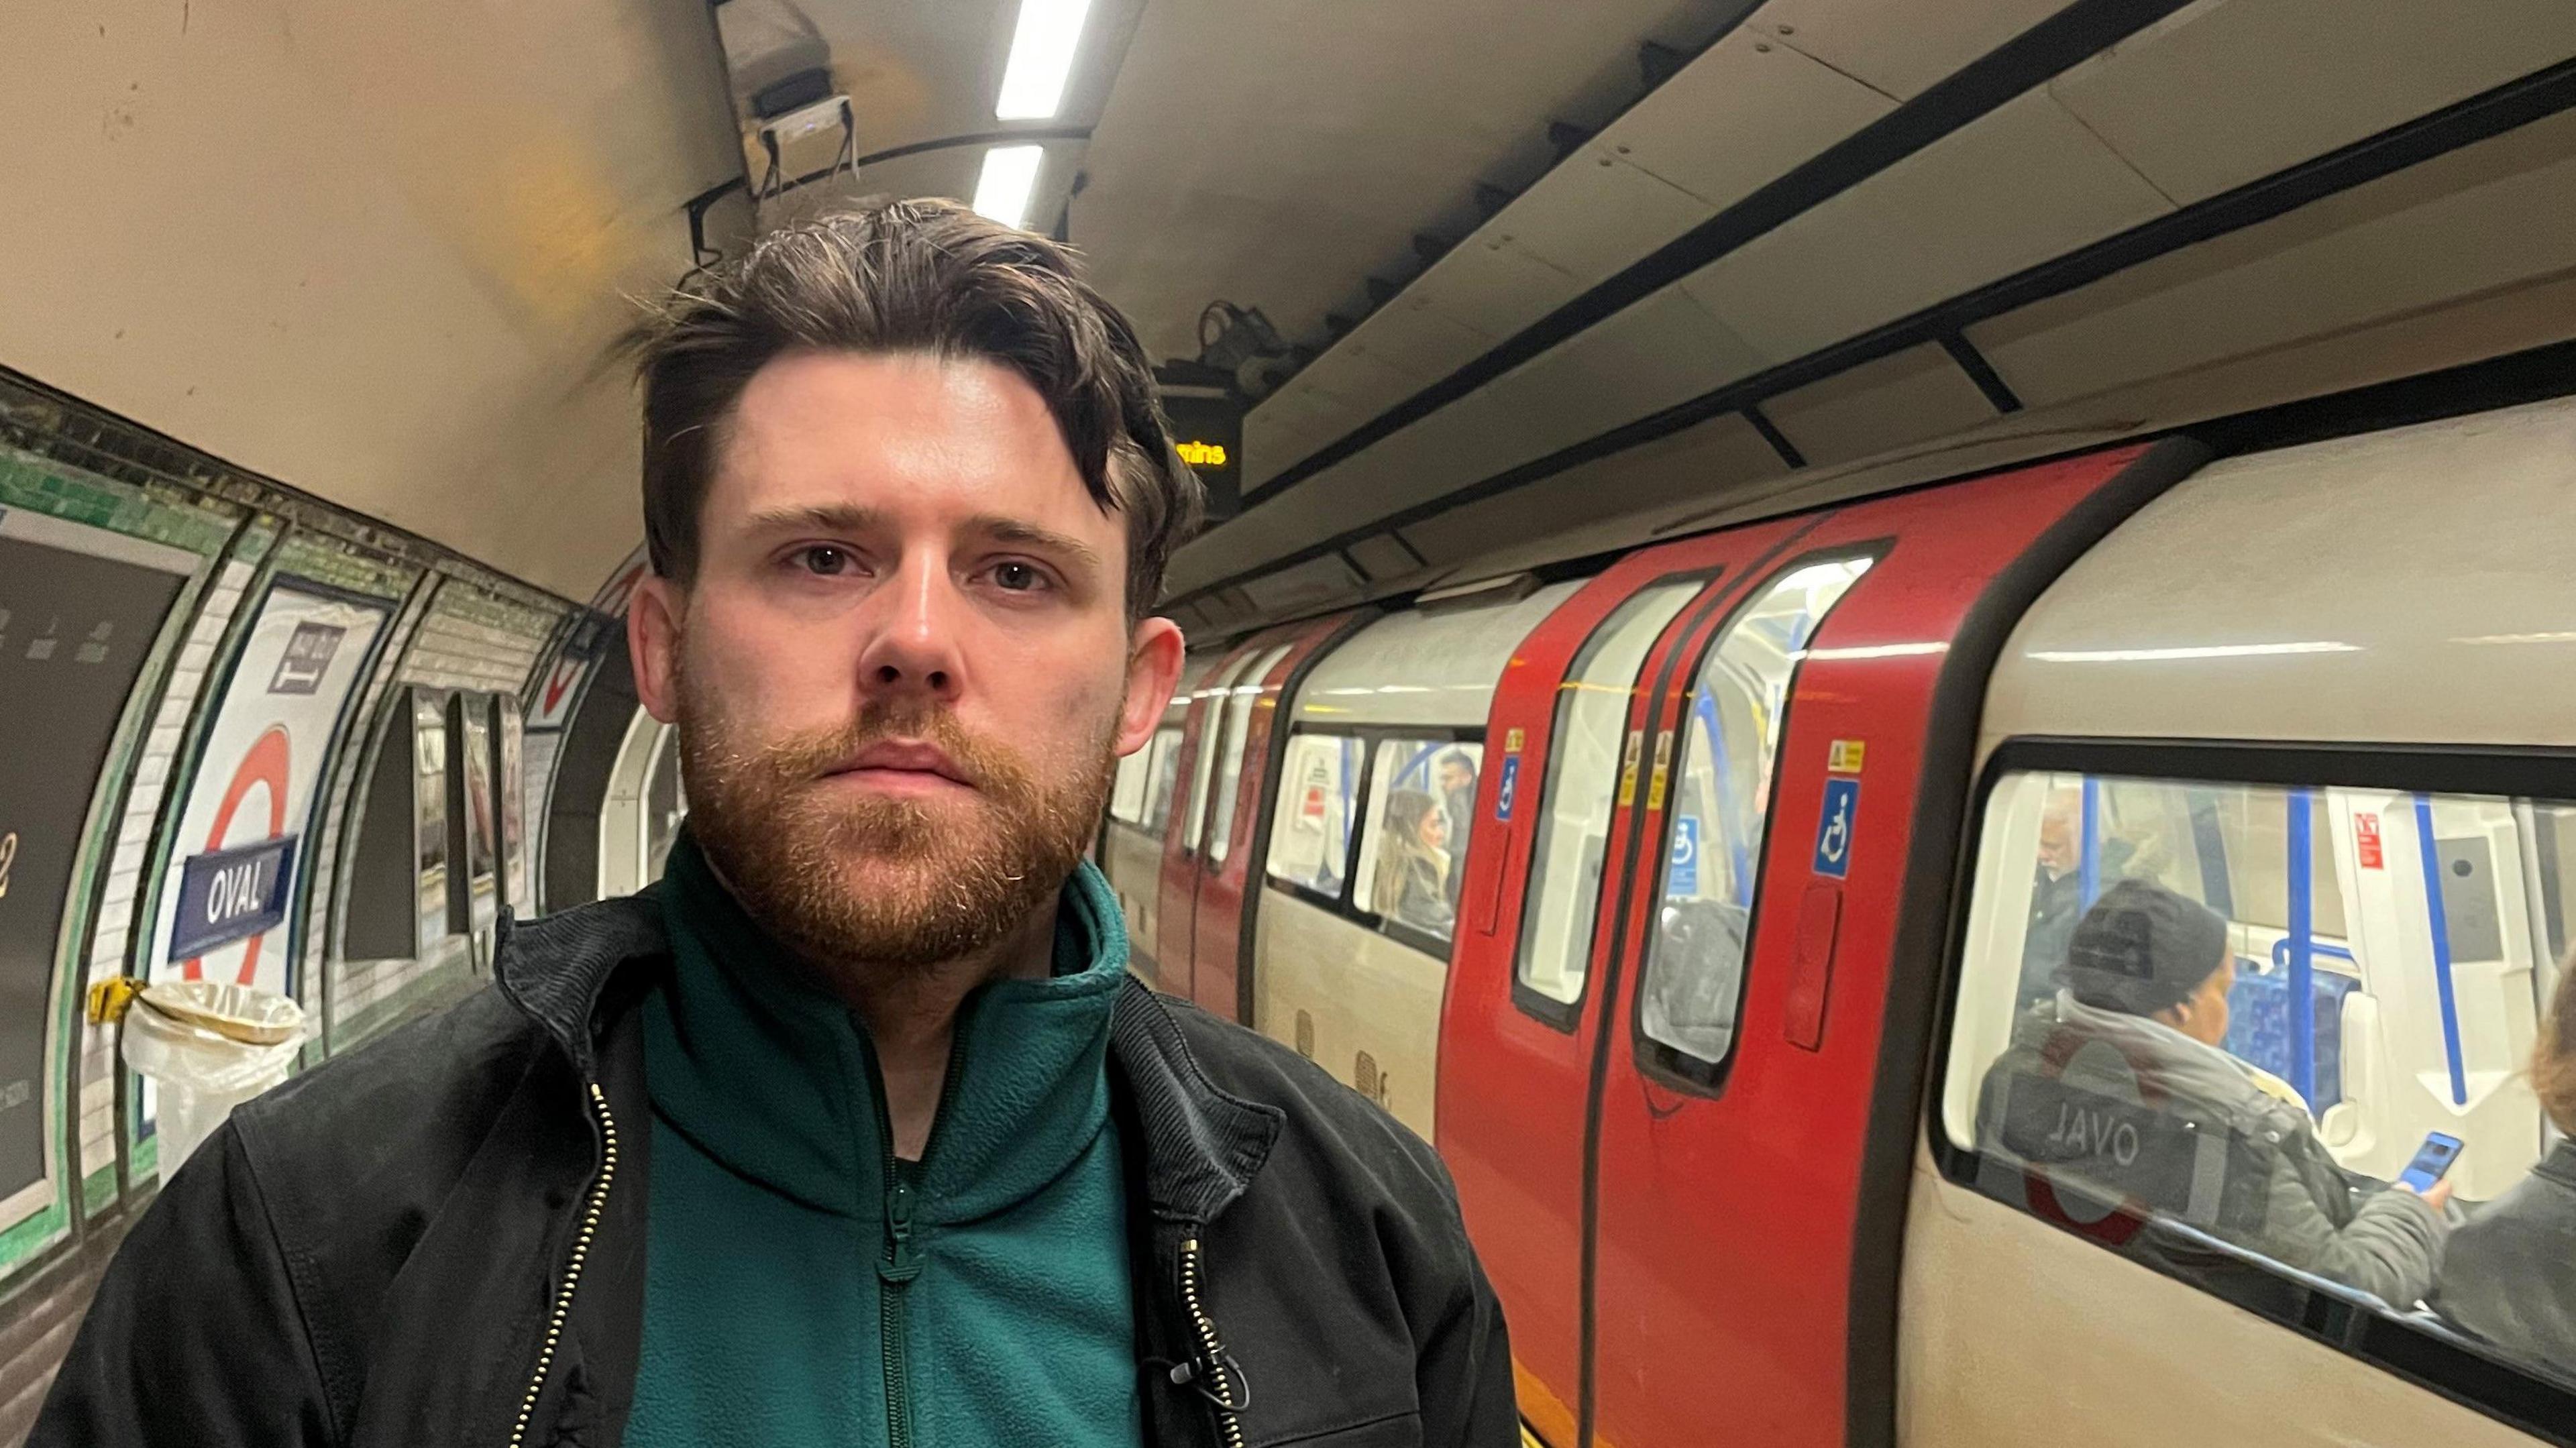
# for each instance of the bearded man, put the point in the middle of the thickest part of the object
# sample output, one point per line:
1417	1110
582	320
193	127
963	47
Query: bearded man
855	1128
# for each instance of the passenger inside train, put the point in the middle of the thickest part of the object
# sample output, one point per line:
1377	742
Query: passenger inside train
2122	1084
2509	1275
2189	1092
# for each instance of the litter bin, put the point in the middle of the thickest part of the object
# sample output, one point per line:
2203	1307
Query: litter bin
208	1047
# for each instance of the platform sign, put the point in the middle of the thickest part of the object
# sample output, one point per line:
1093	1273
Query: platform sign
254	796
589	638
1681	873
1834	828
231	895
79	610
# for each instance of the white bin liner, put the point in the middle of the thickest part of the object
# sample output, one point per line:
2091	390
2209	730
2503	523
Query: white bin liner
209	1047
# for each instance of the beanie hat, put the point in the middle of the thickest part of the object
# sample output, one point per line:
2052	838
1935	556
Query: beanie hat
2142	949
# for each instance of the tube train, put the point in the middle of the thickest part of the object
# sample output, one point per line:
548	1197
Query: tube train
1687	900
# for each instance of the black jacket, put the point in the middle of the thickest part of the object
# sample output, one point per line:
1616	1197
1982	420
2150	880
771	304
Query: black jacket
2510	1276
440	1240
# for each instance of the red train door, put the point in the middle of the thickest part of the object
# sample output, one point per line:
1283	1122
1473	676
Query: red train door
1523	1014
1184	838
1239	789
1750	956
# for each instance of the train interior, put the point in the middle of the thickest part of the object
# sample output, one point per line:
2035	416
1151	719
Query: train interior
1742	536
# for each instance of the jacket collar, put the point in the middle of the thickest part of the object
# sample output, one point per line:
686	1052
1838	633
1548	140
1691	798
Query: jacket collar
2558	1164
1201	1145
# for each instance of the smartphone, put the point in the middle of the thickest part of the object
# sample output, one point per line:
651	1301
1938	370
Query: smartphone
2432	1161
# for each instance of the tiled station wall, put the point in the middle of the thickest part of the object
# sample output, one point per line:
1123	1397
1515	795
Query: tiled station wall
446	623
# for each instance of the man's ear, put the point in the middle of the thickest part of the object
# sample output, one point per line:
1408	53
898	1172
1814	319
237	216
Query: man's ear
653	621
1154	653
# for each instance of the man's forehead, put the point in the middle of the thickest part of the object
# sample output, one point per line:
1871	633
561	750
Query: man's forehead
901	437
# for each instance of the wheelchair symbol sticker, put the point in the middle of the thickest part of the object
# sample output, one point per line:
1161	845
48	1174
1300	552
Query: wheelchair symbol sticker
1834	830
1681	876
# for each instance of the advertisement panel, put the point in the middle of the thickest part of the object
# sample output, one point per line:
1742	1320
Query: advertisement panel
253	802
79	609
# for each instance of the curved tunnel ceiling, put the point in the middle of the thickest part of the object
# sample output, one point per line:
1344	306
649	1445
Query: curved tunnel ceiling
375	252
1919	258
1568	274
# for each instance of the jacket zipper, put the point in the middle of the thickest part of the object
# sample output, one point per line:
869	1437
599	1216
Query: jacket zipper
598	1200
902	1264
902	1261
1229	1426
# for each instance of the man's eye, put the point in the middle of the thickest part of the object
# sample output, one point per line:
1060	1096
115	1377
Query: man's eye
824	560
1017	577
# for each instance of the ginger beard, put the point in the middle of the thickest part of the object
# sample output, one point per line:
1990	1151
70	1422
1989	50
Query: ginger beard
846	877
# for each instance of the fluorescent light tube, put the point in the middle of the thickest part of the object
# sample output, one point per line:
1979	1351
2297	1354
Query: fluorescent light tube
1041	59
1010	174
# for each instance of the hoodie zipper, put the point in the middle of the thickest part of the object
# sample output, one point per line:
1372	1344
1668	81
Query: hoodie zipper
902	1262
1212	1357
598	1201
901	1265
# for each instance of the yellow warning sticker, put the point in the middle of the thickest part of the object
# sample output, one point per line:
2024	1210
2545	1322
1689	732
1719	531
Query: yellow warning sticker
1844	757
1628	769
1663	766
1512	741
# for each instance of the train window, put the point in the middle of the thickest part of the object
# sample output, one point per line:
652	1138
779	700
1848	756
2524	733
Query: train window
1721	799
1238	724
1162	774
1127	793
1211	743
1413	852
1583	755
1310	830
2330	1081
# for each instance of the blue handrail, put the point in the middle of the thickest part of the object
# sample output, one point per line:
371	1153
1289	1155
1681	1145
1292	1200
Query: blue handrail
1421	760
2302	945
2089	867
2327	949
2426	850
1739	861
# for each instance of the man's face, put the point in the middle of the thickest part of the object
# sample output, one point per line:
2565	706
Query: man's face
903	673
1455	775
2057	842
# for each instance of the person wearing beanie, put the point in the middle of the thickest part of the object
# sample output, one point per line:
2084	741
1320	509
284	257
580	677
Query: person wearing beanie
2131	1043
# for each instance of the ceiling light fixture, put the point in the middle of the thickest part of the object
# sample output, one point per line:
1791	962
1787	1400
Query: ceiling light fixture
1010	174
1041	59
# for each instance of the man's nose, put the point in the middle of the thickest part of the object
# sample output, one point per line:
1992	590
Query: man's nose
913	648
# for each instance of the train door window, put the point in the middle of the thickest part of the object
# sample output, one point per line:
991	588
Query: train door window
1310	829
1211	743
1573	841
1127	794
2274	1016
1163	773
1238	724
1721	801
1413	850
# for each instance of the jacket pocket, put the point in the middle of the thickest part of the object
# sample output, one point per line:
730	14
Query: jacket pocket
1400	1430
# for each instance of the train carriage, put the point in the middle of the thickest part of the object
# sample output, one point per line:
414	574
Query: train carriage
1688	903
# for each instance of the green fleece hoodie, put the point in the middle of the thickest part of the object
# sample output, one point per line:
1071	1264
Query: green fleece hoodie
802	1286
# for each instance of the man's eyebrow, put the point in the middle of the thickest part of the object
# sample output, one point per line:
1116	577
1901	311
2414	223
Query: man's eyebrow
1030	535
822	517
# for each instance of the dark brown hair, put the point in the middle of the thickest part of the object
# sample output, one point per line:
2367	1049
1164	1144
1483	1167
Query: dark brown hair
911	276
2553	1058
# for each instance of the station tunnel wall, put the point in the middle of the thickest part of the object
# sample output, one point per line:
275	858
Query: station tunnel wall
248	737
